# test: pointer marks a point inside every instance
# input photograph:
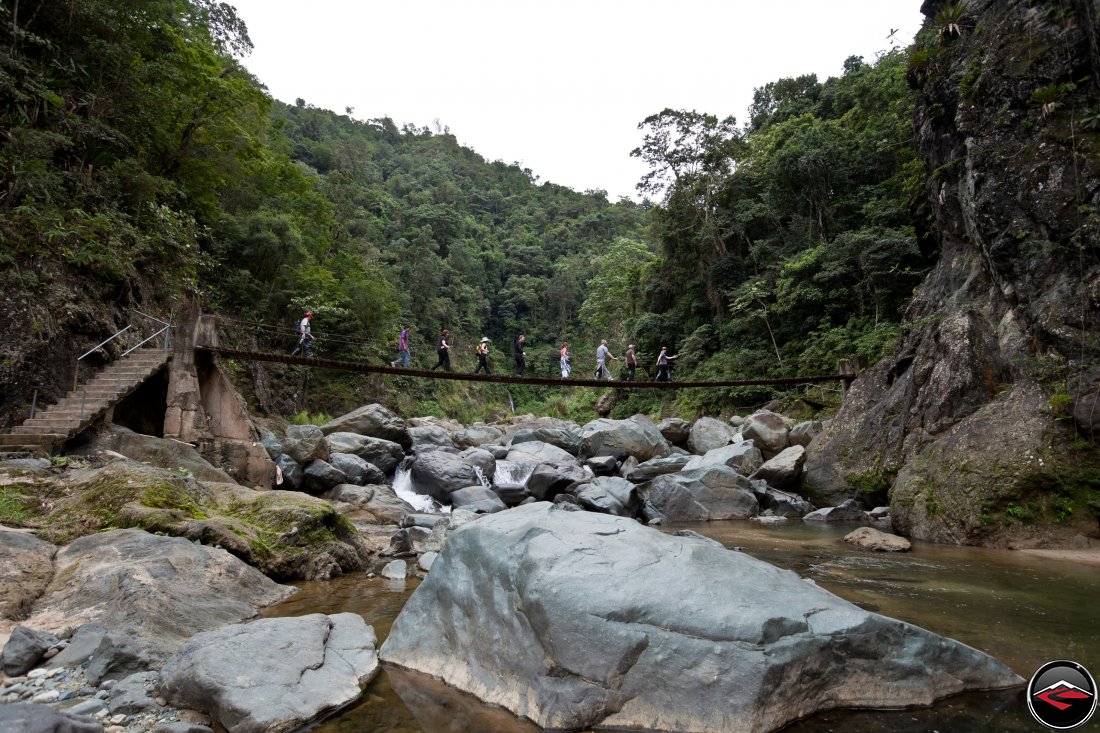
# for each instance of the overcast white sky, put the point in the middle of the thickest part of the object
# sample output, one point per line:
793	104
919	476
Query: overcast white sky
556	85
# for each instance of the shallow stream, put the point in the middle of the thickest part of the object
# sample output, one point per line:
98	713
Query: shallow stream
1022	609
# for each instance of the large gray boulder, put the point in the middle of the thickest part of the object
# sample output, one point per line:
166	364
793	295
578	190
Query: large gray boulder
744	456
707	434
478	498
784	470
155	590
292	473
537	451
482	459
156	451
273	675
474	435
562	433
550	479
715	492
848	511
609	495
675	430
24	650
26	565
655	467
783	504
431	437
304	443
26	717
359	471
377	503
373	420
438	473
385	454
768	430
804	432
685	650
320	476
637	437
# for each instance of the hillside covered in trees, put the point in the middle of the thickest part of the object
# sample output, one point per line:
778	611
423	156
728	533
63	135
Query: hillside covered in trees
140	161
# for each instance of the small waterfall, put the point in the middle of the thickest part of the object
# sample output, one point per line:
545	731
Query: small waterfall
402	486
481	478
514	473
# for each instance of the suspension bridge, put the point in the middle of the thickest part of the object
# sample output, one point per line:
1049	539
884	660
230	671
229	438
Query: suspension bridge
365	367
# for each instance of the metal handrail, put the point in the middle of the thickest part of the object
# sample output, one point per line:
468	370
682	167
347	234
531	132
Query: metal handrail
76	368
166	331
158	333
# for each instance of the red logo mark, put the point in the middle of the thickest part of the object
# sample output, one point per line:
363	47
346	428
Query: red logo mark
1059	691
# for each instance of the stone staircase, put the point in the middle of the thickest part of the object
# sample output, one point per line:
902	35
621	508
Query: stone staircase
54	425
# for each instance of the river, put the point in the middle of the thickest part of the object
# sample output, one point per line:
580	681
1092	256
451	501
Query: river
1022	609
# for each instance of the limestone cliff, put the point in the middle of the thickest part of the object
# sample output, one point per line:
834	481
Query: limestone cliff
982	426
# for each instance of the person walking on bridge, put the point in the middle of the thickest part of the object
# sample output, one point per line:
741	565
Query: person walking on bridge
631	363
664	365
520	354
305	337
403	352
566	367
444	352
602	355
482	352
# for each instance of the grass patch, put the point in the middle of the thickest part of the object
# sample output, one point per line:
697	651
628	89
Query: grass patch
13	507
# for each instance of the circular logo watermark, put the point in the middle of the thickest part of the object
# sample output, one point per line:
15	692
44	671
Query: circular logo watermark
1061	695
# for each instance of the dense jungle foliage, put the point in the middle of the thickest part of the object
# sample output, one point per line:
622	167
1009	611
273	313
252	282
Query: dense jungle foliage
140	161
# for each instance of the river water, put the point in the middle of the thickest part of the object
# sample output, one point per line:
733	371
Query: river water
1022	609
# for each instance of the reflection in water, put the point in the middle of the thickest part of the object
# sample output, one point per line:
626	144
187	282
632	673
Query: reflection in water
439	708
1022	609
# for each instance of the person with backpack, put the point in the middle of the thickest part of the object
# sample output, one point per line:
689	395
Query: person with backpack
305	337
403	352
602	355
566	367
444	352
482	352
664	365
520	354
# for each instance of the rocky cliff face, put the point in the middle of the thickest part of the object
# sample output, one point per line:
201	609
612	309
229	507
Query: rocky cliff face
983	425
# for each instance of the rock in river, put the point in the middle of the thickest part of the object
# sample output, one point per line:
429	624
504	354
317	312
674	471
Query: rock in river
273	675
608	623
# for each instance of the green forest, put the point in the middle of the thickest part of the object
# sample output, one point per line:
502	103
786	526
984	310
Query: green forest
141	162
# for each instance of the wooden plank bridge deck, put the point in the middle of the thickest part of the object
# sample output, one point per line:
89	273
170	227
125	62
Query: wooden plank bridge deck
358	366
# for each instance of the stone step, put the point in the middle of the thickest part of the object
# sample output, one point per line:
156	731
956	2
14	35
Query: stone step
22	451
25	430
60	422
37	439
73	409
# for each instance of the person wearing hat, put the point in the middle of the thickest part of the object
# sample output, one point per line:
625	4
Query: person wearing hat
305	337
444	352
631	363
482	351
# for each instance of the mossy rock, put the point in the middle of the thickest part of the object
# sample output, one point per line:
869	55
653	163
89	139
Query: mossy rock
1006	476
287	535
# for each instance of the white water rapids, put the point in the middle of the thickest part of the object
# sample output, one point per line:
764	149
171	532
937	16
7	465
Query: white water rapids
507	473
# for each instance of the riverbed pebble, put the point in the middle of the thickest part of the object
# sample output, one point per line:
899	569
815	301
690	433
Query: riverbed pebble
68	691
